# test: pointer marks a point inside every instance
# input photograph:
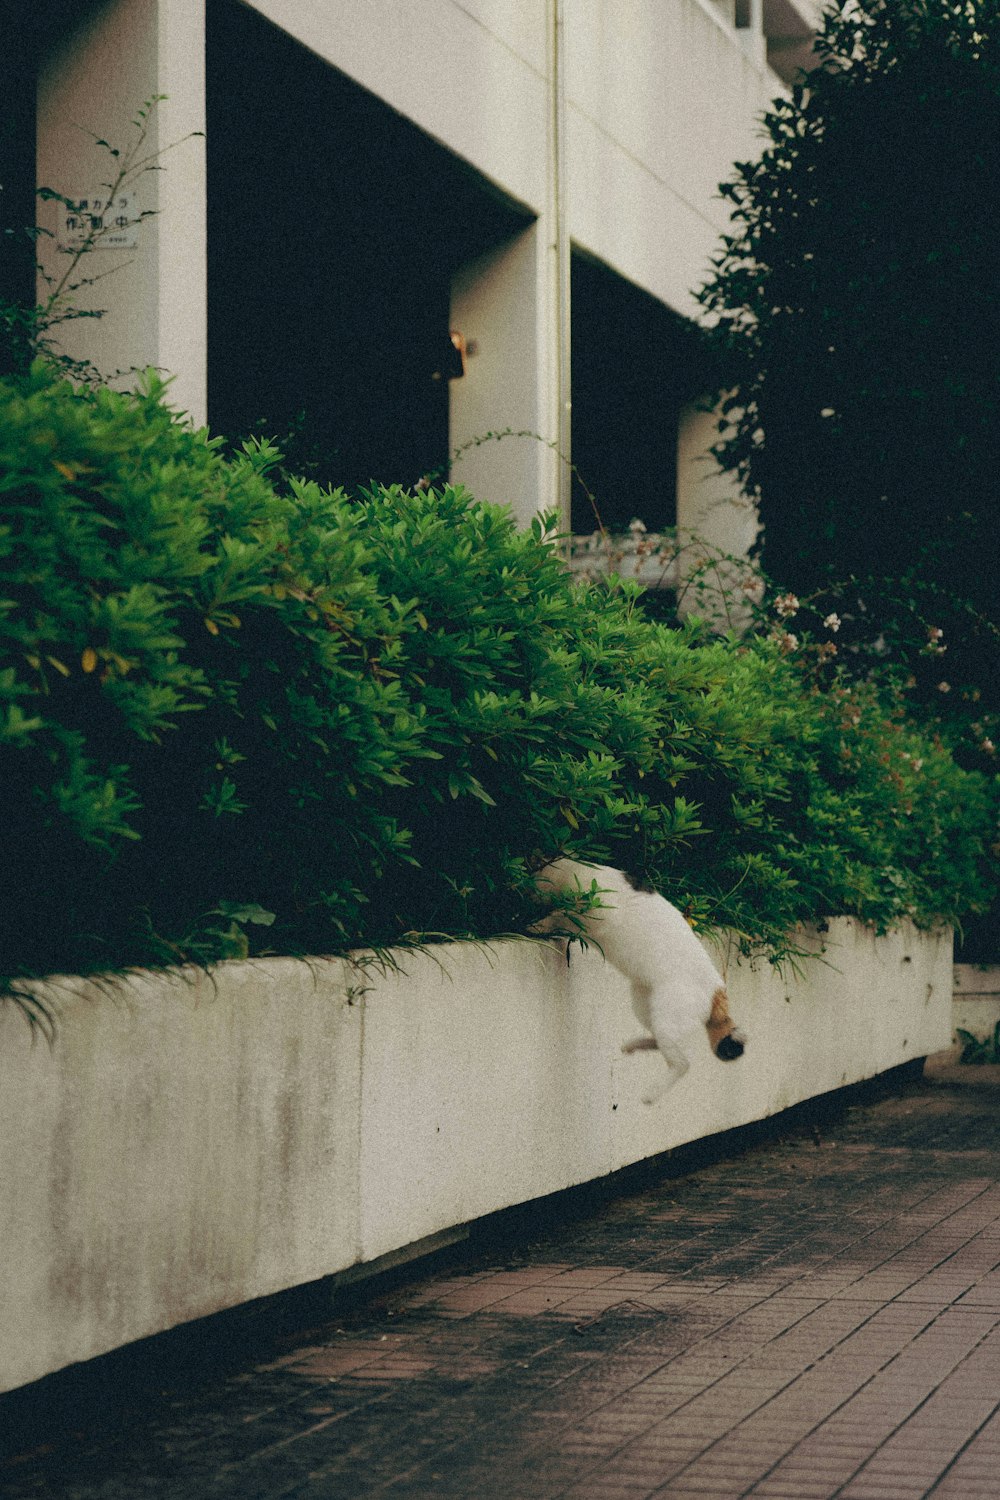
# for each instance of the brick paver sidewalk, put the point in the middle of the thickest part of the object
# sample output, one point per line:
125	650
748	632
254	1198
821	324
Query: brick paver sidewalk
816	1317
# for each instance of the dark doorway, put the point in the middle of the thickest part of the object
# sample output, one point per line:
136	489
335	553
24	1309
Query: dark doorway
334	229
24	41
18	71
634	365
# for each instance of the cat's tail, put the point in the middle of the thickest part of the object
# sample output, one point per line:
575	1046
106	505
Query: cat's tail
725	1040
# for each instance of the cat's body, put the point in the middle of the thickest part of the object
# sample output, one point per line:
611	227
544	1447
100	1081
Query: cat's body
675	986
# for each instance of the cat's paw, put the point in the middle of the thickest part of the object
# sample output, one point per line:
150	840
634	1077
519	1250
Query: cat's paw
656	1093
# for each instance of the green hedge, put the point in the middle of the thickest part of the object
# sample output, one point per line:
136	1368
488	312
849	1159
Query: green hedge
369	718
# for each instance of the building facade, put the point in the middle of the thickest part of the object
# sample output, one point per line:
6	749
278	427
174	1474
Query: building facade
402	227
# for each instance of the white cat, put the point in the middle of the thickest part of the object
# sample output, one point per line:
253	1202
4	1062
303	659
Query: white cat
675	987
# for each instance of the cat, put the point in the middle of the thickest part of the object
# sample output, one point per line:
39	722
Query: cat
675	987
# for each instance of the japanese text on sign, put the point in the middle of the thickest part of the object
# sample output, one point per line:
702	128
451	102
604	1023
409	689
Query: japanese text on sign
108	223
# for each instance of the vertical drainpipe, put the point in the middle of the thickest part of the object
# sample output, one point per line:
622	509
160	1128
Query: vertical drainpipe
758	43
559	263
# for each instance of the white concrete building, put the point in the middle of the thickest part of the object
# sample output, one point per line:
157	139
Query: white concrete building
380	180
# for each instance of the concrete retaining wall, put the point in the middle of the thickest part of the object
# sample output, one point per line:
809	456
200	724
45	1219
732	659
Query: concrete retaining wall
976	1006
191	1142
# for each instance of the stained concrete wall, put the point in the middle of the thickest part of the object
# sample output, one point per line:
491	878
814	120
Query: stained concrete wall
190	1143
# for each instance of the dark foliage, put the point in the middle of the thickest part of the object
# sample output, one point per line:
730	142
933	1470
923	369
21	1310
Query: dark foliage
858	301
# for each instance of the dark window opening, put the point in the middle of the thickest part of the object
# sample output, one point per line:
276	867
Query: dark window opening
634	365
18	68
335	228
25	43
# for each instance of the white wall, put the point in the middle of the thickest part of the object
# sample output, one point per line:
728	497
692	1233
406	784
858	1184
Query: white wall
473	76
191	1143
662	101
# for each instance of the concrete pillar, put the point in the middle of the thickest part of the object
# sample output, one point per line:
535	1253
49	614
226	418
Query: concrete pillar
182	222
752	33
512	306
710	503
498	305
91	86
715	521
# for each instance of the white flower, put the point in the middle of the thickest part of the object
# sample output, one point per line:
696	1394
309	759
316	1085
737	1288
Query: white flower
785	605
636	526
934	632
832	622
987	745
828	411
944	687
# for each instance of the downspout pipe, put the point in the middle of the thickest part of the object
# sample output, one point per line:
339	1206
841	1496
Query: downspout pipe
559	263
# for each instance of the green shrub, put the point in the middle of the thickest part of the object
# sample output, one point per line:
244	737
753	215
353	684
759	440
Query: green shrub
817	795
173	666
240	719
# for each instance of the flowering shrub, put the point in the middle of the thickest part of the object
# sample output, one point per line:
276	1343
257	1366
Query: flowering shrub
238	718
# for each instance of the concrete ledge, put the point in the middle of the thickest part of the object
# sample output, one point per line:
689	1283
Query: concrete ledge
195	1141
975	1005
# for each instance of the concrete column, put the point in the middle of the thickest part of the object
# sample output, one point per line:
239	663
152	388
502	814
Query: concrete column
498	305
182	222
752	35
512	306
710	503
91	86
715	520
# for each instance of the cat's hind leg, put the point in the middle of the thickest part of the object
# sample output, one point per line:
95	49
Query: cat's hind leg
652	1011
640	1044
677	1065
676	1061
672	1054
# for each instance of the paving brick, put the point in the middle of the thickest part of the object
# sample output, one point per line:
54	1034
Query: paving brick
796	1322
794	1489
958	1487
694	1484
886	1490
608	1488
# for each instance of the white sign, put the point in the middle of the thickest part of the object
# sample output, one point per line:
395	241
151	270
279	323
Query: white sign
107	223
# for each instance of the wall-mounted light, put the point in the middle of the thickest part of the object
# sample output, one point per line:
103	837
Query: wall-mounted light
452	358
